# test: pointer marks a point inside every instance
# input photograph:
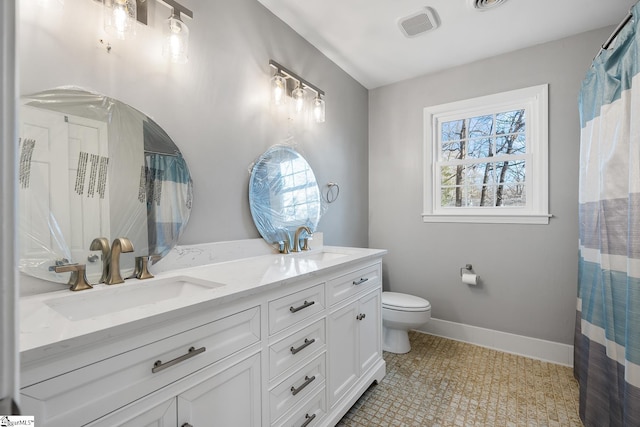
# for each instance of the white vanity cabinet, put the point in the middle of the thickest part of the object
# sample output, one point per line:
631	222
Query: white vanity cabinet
297	354
87	388
297	351
354	330
223	395
230	398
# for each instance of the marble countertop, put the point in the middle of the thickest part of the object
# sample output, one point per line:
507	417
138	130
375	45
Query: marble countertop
53	318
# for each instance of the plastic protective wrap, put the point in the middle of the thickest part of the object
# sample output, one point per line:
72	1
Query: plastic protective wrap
91	166
284	195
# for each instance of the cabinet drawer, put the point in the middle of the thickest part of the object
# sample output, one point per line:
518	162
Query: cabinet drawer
296	347
350	284
294	388
293	308
310	413
85	394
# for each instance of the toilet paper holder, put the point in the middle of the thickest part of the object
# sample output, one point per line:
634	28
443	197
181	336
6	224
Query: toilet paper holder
467	267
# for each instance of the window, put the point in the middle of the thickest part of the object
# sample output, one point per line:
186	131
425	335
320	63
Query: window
486	159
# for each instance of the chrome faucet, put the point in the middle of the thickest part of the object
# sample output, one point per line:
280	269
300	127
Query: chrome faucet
296	239
119	245
102	244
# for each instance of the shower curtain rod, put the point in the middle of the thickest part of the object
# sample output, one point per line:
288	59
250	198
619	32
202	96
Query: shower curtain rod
615	33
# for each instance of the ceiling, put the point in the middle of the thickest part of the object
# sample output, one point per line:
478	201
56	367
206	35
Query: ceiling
364	39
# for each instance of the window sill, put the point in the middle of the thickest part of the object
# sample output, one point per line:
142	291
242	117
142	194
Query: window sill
537	219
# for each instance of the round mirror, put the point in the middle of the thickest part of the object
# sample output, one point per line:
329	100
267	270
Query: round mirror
91	166
283	194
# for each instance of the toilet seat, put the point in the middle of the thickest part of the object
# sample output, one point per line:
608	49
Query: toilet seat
404	302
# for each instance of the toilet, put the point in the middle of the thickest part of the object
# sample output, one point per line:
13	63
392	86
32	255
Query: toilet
401	312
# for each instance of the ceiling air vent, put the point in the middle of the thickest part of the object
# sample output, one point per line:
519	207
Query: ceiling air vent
419	22
483	5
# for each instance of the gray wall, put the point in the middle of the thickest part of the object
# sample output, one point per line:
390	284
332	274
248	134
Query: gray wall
529	272
216	109
216	106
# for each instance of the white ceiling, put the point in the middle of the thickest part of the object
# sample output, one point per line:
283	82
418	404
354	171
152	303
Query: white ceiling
363	38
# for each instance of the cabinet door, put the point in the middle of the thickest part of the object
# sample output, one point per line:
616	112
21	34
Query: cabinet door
161	416
369	325
229	398
137	414
343	351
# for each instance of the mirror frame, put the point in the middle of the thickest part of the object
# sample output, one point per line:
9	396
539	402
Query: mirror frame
283	195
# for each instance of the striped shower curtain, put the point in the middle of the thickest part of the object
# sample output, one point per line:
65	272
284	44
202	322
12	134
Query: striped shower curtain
607	339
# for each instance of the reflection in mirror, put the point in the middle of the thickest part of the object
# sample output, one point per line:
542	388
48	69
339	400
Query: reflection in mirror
91	166
283	194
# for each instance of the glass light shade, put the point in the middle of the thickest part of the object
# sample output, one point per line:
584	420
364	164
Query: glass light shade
120	18
278	89
298	95
176	40
318	109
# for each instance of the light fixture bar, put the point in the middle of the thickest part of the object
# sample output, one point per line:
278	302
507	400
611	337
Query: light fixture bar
141	11
293	75
178	8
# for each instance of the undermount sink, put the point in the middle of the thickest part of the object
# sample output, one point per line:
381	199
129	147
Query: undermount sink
320	256
114	299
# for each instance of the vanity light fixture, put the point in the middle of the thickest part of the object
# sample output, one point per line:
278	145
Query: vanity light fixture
318	109
120	18
298	96
278	89
176	33
297	91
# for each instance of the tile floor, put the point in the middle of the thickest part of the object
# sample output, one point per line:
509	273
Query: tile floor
443	383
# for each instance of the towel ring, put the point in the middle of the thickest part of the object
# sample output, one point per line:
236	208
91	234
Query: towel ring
333	191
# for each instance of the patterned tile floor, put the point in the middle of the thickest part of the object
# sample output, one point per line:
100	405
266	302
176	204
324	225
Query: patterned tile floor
443	383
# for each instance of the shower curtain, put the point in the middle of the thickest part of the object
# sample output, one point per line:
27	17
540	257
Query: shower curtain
607	339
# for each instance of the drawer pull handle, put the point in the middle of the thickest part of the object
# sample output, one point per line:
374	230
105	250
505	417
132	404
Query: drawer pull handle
304	305
307	381
186	425
361	281
307	343
308	418
159	366
361	316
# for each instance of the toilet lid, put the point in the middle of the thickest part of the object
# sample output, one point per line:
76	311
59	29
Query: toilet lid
399	300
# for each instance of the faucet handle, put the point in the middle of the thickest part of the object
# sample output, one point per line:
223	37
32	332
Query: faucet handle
285	246
78	279
305	244
142	271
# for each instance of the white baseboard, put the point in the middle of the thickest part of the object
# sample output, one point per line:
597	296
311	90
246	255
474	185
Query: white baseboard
548	351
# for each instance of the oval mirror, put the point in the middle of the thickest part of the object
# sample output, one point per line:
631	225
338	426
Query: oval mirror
283	194
91	166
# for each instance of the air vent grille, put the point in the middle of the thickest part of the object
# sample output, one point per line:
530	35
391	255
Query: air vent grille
419	22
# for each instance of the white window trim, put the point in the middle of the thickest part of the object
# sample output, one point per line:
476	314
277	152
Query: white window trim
535	100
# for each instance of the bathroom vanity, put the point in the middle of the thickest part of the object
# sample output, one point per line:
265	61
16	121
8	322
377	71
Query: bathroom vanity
270	340
255	338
